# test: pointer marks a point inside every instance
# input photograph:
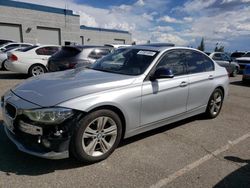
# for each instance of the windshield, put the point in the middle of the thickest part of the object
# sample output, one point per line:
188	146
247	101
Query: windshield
225	57
246	55
126	61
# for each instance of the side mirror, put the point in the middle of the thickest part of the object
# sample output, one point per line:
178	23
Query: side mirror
162	73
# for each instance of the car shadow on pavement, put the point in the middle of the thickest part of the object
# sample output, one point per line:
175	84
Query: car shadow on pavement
240	83
238	178
12	76
13	161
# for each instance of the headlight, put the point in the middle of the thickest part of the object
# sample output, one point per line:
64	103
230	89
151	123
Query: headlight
49	115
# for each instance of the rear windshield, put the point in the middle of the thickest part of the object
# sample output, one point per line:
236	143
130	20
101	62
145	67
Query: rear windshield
246	55
67	52
237	54
27	49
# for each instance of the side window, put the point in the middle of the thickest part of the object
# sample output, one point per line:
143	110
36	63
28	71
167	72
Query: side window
98	53
175	61
217	56
12	46
47	50
198	62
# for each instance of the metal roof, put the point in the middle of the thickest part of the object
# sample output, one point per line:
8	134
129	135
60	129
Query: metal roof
103	29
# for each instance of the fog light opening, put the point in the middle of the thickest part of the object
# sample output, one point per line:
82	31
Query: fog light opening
46	143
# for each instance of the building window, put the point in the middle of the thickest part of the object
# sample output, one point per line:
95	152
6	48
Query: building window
82	39
119	41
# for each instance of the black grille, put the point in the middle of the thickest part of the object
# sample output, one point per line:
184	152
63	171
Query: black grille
10	110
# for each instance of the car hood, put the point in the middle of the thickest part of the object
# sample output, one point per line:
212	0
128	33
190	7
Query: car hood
53	88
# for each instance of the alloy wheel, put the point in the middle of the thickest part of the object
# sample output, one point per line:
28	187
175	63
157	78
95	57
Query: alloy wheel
215	103
37	70
99	136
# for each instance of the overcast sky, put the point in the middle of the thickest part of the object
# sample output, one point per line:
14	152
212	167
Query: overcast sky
183	22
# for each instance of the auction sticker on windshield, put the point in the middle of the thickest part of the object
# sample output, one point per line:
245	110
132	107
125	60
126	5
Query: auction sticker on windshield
148	53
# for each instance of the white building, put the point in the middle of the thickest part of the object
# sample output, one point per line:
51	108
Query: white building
26	22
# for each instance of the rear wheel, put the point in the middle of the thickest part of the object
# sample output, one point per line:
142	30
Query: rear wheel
96	136
214	104
3	65
36	70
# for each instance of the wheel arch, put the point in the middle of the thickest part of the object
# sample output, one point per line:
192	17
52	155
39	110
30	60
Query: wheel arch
117	111
37	64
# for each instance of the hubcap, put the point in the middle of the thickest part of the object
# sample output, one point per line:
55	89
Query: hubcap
99	136
215	103
37	70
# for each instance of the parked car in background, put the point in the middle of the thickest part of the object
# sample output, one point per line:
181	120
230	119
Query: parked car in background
4	41
70	57
246	74
116	46
236	55
32	60
12	45
3	54
242	61
224	60
86	112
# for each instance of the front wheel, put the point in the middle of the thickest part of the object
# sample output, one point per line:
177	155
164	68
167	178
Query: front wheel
214	104
96	136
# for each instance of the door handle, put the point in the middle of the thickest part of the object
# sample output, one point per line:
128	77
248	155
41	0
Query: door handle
183	84
210	77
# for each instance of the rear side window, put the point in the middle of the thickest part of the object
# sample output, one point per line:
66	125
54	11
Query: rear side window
217	56
47	50
174	60
198	62
99	53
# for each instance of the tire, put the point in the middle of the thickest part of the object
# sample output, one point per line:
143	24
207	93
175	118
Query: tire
36	70
104	139
3	66
213	107
235	72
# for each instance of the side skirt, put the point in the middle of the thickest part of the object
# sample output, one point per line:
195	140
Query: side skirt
164	122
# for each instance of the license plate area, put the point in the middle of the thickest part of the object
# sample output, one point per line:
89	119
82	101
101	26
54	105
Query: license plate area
30	129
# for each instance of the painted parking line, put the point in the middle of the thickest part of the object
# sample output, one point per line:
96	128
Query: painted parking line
186	169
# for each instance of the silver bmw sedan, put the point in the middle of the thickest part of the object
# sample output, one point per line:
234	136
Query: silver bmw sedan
85	112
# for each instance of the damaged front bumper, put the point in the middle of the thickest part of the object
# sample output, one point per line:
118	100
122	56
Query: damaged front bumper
41	140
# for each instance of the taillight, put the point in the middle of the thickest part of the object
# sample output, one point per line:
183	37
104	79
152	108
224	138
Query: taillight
12	57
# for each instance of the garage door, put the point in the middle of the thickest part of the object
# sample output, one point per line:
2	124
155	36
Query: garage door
47	35
10	32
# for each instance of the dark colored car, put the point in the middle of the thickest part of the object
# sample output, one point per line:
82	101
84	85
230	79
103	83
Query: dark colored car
70	57
236	54
246	74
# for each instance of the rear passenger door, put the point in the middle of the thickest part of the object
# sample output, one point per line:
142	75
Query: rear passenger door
44	53
200	76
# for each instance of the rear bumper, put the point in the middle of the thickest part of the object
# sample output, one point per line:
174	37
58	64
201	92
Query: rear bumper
16	66
46	155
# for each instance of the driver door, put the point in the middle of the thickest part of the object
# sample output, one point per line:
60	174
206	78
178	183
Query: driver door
167	97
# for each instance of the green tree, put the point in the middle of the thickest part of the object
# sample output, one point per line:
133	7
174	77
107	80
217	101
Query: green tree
219	48
201	47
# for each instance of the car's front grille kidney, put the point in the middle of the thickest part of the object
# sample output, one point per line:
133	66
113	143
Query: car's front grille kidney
10	110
